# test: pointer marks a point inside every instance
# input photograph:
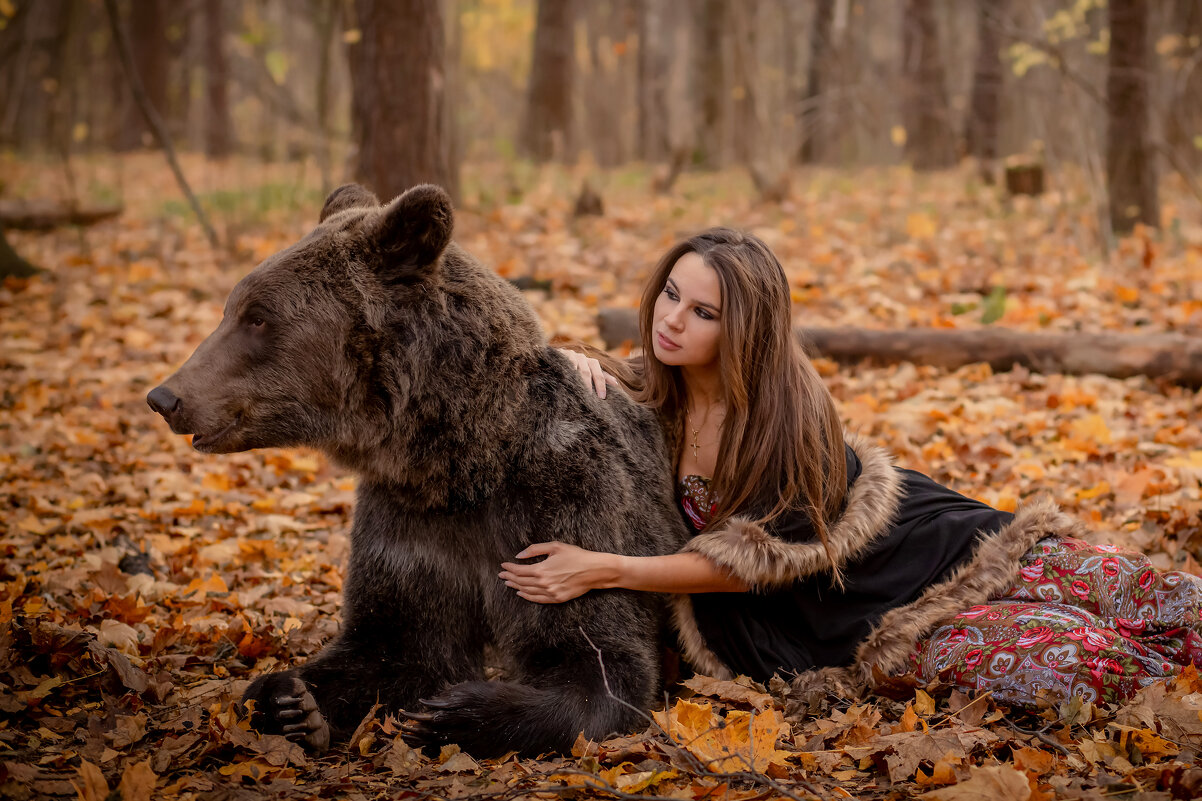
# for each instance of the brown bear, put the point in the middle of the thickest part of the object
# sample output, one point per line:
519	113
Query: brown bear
382	343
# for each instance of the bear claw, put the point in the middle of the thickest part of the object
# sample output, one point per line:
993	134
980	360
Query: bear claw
293	712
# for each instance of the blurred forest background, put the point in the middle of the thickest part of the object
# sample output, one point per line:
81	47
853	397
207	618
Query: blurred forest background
394	92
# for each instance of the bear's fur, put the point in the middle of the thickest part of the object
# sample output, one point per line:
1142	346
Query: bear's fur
380	342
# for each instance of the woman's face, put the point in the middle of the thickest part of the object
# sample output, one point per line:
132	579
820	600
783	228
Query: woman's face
686	328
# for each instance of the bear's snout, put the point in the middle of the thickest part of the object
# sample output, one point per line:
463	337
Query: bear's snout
163	401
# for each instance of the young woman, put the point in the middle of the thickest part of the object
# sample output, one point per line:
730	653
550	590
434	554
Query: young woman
816	556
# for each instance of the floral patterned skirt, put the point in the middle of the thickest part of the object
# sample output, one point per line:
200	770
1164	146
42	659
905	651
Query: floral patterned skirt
1092	621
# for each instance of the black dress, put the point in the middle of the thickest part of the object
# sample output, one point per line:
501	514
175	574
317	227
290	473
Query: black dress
813	624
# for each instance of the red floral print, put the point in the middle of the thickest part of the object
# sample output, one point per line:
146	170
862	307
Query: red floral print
1083	620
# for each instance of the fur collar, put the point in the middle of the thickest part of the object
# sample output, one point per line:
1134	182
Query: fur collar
761	560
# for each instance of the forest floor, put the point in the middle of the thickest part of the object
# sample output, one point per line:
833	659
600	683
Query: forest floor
142	583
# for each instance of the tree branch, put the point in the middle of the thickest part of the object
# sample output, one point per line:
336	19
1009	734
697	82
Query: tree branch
152	117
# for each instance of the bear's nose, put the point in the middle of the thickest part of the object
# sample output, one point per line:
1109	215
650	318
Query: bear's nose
162	400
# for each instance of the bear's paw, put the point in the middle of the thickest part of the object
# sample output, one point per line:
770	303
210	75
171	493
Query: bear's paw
284	705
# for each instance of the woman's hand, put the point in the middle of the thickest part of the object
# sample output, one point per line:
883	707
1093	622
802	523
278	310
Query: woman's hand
590	370
567	572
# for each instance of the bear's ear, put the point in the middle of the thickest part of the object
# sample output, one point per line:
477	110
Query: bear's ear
415	228
347	196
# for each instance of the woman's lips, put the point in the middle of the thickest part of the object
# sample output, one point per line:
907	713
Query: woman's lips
666	343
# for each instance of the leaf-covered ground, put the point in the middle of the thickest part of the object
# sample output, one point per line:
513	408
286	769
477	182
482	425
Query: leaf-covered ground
143	583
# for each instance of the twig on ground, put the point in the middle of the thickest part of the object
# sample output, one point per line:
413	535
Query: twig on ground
694	763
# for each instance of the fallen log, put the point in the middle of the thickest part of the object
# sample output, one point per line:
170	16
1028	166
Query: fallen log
1175	357
46	215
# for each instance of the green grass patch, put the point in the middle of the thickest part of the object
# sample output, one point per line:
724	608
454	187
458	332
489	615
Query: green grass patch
252	203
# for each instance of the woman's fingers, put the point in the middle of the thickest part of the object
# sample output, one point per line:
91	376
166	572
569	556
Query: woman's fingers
598	377
538	549
591	373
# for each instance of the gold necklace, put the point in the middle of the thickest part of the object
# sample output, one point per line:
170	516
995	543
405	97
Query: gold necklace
696	446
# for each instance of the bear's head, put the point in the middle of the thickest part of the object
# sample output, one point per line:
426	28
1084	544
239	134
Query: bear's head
373	333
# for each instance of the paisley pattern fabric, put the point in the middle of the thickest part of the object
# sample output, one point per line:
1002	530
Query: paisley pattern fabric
697	500
1085	620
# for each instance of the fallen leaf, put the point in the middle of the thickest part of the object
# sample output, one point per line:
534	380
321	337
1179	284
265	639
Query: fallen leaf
992	783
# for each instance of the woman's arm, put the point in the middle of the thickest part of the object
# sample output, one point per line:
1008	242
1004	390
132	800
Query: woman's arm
568	572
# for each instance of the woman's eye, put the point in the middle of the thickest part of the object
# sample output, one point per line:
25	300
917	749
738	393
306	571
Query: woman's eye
668	291
704	315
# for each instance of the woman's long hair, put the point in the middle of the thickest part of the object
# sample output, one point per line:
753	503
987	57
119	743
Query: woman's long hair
781	448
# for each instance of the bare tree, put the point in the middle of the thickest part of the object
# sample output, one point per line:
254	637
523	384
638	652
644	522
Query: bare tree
1130	154
711	80
399	96
930	143
148	41
821	52
653	80
219	138
1184	97
548	120
744	109
981	128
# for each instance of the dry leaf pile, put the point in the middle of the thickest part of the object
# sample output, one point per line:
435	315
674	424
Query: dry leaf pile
143	583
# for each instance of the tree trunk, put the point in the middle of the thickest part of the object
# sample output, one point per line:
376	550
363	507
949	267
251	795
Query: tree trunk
325	23
1174	357
711	62
744	111
219	139
981	130
148	40
37	90
1130	156
1185	95
400	96
930	143
548	122
16	44
821	51
653	81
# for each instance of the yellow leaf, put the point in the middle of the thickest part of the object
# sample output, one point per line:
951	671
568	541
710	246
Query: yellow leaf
898	134
923	703
740	741
995	782
90	785
637	782
1192	461
909	720
216	481
353	36
1101	488
920	225
1006	502
33	525
214	583
1092	428
1030	470
943	772
137	782
1126	294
